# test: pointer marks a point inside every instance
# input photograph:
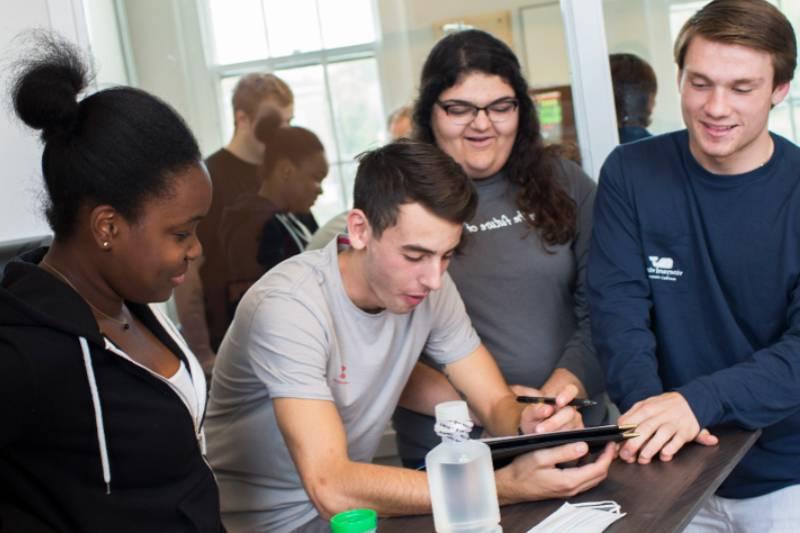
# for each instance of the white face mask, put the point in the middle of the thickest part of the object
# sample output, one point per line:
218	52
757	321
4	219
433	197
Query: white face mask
589	517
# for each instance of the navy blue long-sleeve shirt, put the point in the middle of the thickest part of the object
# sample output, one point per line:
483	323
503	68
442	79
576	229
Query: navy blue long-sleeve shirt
694	287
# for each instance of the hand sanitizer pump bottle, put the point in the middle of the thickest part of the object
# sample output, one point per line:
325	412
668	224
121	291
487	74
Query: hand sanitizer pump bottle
460	476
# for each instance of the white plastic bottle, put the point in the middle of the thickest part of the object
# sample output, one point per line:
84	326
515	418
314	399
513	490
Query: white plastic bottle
460	476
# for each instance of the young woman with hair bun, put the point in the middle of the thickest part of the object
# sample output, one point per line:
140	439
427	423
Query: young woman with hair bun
259	231
102	402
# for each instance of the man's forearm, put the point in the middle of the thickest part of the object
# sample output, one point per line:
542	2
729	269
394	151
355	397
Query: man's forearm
426	387
504	418
390	491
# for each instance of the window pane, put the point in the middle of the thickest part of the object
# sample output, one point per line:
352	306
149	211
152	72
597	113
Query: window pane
796	120
355	91
311	111
226	89
680	13
780	120
348	172
310	103
330	203
791	8
346	22
292	27
237	30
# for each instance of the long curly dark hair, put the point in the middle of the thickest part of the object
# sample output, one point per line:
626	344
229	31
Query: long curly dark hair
534	167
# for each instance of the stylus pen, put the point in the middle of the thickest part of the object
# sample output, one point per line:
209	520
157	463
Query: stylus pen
577	402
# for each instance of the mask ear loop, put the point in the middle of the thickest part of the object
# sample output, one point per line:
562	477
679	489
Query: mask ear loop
609	506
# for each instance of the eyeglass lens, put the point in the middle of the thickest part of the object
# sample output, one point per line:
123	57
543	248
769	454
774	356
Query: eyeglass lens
464	112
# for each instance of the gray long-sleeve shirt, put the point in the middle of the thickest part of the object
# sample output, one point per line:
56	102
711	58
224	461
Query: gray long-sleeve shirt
527	303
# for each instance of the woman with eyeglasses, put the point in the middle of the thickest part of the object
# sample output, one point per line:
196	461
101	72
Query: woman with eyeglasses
522	270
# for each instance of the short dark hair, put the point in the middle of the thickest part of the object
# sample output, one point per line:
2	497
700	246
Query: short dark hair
635	86
531	166
119	146
755	24
285	142
406	171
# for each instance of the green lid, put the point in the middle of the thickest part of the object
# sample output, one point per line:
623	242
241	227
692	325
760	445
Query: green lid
355	521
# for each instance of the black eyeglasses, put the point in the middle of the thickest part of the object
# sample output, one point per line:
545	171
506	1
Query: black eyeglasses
462	113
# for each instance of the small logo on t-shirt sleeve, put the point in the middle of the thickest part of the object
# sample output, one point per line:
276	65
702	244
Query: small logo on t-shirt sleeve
341	378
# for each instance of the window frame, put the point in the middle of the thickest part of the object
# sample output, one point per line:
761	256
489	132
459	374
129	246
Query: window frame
323	58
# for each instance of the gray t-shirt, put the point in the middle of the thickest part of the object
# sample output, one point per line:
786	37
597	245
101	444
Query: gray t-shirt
328	232
297	334
527	303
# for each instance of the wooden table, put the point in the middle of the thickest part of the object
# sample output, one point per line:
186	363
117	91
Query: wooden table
658	497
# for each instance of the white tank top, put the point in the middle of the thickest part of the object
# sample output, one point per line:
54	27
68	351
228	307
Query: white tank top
182	381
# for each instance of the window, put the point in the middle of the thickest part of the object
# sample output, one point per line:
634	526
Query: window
325	51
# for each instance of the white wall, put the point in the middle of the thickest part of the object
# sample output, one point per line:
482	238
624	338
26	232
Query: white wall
106	43
20	151
408	33
167	46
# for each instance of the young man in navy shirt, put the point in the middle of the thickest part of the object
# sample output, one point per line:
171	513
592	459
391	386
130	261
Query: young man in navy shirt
694	269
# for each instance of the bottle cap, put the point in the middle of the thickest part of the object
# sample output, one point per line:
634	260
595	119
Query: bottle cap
355	521
456	411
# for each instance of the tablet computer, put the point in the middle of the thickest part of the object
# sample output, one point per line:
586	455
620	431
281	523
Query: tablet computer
506	448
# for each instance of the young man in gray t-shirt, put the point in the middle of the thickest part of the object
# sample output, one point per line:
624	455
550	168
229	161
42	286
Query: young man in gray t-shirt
322	346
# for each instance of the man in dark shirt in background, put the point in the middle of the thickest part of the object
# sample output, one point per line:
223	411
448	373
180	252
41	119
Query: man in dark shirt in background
694	268
635	87
201	300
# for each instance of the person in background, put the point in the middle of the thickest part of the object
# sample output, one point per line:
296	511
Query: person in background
201	302
694	270
635	88
102	402
321	347
522	270
259	231
399	126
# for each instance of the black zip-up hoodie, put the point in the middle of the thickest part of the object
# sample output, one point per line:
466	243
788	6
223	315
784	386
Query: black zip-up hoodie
89	440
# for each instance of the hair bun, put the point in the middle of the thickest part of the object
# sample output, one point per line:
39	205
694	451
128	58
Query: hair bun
47	86
269	122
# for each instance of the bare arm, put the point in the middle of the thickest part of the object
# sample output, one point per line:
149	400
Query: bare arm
192	316
479	381
335	483
425	388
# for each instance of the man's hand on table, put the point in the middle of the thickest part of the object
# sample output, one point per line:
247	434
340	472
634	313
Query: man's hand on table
537	476
664	424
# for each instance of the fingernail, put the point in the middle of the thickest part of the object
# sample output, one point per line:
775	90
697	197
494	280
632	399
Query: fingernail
580	447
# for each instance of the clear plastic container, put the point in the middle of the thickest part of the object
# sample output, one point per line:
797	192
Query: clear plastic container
460	476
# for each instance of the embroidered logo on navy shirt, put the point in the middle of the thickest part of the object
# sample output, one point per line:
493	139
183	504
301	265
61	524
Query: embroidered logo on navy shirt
663	269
